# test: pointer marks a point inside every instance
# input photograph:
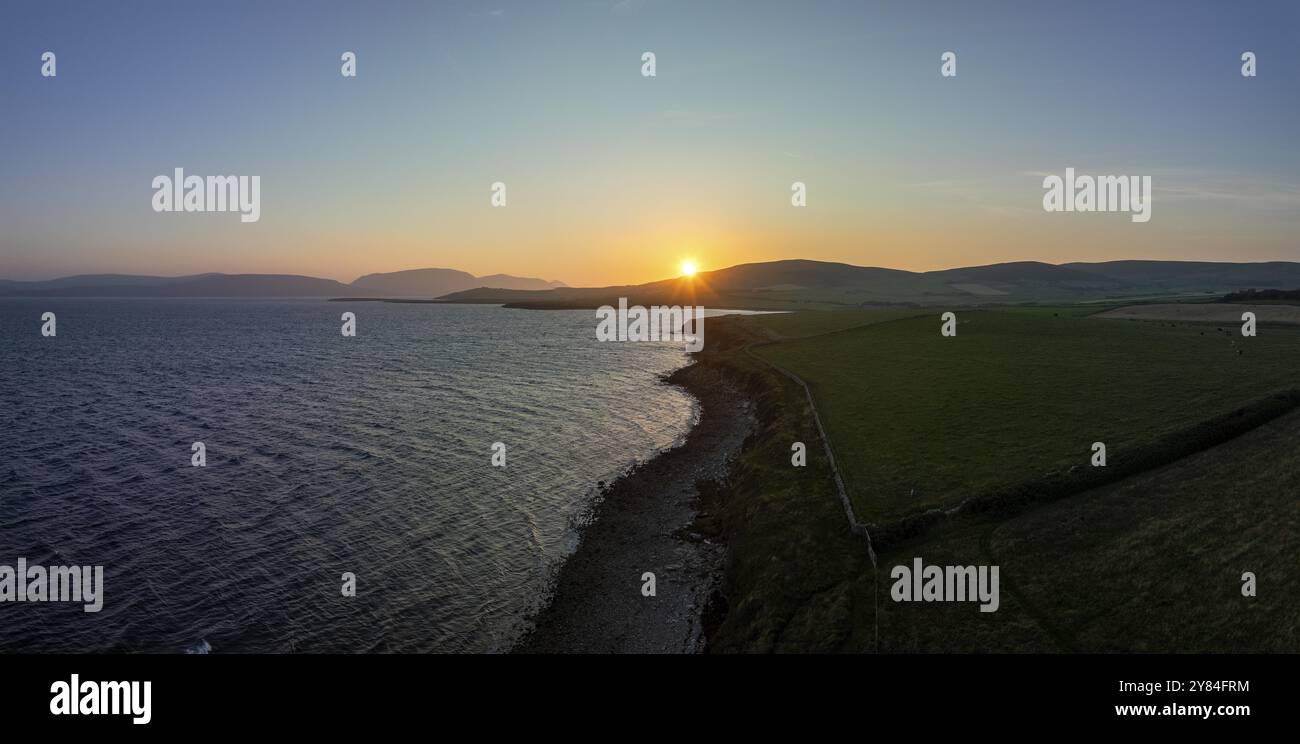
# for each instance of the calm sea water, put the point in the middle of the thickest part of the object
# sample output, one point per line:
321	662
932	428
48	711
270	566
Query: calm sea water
325	455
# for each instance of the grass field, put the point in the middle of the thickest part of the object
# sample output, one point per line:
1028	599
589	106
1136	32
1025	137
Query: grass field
802	324
1151	564
791	561
919	421
1155	563
1228	315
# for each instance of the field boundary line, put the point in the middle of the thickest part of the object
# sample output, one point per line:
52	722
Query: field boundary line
856	526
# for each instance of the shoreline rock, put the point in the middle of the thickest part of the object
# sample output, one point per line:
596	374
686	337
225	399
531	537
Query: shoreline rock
646	523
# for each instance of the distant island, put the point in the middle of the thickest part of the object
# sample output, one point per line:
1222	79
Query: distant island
416	283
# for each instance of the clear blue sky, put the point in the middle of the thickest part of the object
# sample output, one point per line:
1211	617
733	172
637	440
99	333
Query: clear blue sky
613	177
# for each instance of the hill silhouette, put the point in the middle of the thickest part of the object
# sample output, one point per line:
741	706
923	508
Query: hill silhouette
425	283
799	284
778	285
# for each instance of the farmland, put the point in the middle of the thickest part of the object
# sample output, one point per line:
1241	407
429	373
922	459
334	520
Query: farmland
1152	564
1150	559
920	421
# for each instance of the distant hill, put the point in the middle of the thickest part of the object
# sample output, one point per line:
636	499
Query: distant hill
425	283
1197	276
250	285
204	285
789	274
505	281
115	280
818	284
437	282
1025	272
771	285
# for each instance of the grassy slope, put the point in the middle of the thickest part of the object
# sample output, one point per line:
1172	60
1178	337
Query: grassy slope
1151	563
803	324
921	421
792	573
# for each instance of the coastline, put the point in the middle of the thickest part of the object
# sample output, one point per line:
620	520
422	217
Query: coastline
646	521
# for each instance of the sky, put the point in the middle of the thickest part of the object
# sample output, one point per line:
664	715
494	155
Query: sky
616	178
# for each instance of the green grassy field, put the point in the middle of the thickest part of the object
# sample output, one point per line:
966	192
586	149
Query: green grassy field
1151	564
1155	563
802	324
919	421
791	561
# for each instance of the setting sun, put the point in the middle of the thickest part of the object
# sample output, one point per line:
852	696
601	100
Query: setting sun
688	268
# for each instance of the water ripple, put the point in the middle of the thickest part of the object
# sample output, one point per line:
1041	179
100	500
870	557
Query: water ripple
325	455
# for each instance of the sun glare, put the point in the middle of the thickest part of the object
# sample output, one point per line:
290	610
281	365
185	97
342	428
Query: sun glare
688	268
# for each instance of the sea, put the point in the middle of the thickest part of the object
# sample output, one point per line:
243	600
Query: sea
445	458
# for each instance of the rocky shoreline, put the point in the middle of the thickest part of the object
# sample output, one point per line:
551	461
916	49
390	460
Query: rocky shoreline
646	522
